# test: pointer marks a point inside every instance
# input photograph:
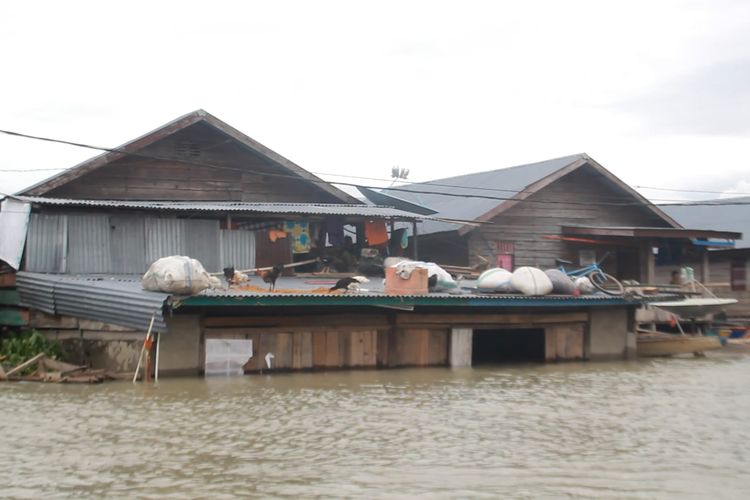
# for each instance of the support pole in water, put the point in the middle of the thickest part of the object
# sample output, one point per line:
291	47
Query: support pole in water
145	341
156	369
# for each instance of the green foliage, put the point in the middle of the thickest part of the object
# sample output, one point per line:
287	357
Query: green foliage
20	347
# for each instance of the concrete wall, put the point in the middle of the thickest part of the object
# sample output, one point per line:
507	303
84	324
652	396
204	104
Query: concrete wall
609	334
180	349
461	347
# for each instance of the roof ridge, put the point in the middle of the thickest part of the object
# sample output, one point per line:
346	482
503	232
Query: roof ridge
573	157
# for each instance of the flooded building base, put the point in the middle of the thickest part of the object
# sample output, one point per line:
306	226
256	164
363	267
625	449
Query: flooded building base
236	332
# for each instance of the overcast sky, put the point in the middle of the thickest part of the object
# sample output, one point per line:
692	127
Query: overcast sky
657	92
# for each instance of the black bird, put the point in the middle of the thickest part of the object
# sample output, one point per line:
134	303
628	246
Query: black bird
270	276
431	282
229	274
348	283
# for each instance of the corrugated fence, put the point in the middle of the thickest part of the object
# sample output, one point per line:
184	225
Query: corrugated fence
128	244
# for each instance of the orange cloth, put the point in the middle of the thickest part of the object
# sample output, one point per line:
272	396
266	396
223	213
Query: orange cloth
376	233
275	234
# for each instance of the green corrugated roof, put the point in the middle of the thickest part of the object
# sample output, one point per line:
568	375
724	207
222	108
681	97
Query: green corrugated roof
427	300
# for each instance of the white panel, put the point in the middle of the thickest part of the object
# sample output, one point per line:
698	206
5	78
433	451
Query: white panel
227	356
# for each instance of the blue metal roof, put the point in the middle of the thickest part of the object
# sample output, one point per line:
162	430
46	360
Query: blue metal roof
730	214
502	183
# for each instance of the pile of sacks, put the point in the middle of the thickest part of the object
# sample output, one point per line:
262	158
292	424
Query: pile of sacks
532	281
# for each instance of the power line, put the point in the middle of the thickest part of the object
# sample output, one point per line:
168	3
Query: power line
321	181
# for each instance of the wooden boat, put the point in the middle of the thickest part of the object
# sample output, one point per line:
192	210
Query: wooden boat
665	344
695	306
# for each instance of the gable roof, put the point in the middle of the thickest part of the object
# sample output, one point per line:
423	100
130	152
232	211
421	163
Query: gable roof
501	189
181	123
729	214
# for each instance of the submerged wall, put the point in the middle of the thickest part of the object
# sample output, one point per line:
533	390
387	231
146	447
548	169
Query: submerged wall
383	339
611	334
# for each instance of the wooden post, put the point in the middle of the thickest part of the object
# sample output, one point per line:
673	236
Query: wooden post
156	370
143	348
705	269
648	262
25	364
414	239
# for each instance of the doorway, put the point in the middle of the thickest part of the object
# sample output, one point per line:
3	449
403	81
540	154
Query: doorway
508	346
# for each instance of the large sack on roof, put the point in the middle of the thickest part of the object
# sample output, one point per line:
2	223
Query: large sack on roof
404	267
177	274
496	279
531	281
584	285
561	282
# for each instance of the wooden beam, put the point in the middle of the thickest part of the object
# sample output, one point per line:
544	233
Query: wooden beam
456	320
25	364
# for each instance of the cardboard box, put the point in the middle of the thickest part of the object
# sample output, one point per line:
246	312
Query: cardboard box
415	285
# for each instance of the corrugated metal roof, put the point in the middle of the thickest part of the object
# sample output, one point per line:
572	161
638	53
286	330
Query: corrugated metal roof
116	300
235	207
309	291
730	214
511	181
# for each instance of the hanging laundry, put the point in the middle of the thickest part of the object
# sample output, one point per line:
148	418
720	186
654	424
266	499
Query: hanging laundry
299	232
335	231
375	232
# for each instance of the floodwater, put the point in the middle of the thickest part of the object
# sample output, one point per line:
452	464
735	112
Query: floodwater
666	428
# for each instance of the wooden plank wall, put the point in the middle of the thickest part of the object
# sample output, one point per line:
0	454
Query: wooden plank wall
341	348
244	176
300	350
564	342
526	224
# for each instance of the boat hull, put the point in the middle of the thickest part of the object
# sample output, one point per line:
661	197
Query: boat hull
669	345
694	307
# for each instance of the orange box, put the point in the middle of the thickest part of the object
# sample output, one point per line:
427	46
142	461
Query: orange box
415	285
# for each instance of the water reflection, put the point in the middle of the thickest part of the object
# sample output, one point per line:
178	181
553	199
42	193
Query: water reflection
664	428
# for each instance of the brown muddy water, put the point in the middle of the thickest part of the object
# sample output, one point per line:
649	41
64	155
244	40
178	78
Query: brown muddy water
667	428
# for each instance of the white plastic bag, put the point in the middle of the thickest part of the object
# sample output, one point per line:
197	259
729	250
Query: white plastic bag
177	274
444	280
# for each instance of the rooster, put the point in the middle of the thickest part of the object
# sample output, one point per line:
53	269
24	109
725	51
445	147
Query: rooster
349	284
271	275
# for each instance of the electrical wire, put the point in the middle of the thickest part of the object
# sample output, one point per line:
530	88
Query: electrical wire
125	152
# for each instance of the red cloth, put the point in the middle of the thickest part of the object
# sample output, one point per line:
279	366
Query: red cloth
376	233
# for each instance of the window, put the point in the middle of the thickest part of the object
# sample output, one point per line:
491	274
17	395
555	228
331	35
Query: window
504	251
738	275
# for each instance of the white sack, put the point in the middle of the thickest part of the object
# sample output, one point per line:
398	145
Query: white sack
444	280
531	281
496	279
177	274
584	285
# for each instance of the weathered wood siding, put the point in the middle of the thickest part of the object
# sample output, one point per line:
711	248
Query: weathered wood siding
236	174
578	198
